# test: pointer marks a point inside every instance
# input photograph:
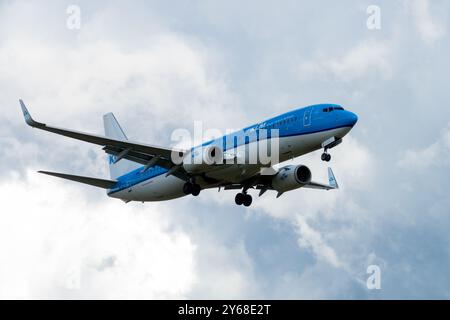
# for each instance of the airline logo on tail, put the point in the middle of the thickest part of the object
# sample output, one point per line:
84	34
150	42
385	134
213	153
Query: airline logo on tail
112	159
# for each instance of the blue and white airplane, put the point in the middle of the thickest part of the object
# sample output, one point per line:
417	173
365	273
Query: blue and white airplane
143	172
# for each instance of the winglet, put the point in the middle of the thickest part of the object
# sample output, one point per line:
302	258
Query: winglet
332	180
28	119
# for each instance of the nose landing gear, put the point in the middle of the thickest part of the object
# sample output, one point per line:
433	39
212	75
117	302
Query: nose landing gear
328	144
326	156
243	199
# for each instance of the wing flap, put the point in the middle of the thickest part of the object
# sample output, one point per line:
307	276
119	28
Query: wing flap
99	183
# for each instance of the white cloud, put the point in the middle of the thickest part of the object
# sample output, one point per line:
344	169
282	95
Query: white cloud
368	57
436	154
54	244
310	238
168	78
224	272
171	79
430	29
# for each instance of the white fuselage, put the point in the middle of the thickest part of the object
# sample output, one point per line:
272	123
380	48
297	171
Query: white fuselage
164	187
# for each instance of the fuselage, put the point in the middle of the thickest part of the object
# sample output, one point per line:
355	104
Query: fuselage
299	132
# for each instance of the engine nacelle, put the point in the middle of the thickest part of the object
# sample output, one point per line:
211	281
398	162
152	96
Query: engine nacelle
202	159
291	177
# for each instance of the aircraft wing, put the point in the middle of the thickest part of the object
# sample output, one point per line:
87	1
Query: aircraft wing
263	183
332	183
134	151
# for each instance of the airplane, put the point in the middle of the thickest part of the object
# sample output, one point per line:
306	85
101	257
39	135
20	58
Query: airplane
143	172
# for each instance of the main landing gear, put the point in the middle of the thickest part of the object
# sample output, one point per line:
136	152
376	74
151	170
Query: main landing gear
191	188
243	199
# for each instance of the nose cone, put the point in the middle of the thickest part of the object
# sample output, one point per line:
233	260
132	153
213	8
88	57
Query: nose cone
352	118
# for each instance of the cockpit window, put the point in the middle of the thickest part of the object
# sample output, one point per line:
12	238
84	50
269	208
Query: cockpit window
331	109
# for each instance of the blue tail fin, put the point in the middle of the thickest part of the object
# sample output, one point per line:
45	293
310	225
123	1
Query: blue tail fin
115	131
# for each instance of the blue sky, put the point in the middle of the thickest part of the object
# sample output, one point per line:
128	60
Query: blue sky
160	67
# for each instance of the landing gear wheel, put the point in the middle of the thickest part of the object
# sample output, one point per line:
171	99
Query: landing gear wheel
187	188
247	200
239	199
243	199
326	157
196	189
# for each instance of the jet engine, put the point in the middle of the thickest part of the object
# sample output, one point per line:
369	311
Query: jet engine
202	159
291	177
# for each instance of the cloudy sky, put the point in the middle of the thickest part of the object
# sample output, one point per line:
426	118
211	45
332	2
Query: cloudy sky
160	66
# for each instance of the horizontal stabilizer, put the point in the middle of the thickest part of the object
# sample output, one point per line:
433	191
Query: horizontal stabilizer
100	183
